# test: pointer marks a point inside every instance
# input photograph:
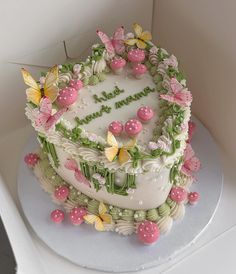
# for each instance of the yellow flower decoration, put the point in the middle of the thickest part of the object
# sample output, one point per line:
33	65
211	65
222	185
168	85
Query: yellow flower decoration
141	37
114	150
99	221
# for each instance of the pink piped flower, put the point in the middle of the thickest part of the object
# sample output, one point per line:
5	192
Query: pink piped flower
77	214
191	162
31	159
193	198
136	55
178	194
148	232
76	84
57	216
71	164
115	128
178	95
117	64
145	114
61	193
191	130
67	96
139	70
133	127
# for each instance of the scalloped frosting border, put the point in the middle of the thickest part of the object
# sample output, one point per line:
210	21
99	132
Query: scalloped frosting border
124	221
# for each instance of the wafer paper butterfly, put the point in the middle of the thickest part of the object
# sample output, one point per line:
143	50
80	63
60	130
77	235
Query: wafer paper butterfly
45	117
114	150
71	164
116	43
103	217
35	93
191	162
179	95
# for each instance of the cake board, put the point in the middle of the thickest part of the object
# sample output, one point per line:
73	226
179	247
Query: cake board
110	251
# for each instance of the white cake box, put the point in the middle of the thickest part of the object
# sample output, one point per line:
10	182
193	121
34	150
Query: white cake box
41	47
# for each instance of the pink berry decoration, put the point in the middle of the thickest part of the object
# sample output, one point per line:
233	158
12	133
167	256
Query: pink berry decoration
57	216
133	127
136	56
178	194
145	114
76	84
115	128
117	64
67	96
139	70
148	232
61	193
193	198
77	214
31	159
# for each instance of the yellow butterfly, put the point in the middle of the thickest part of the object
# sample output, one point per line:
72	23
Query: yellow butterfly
50	89
114	150
99	221
141	37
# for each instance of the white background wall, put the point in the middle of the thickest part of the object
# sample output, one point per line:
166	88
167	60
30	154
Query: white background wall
202	34
33	31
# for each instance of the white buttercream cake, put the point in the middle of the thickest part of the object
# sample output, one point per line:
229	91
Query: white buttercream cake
115	134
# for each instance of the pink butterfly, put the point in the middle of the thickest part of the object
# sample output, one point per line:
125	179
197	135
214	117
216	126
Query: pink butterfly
71	164
180	95
45	117
191	130
116	43
191	162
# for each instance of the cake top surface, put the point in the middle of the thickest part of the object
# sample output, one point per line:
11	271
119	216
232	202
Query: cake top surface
126	107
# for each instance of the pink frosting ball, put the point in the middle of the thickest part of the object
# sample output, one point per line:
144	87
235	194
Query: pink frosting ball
61	193
31	159
67	96
77	214
115	128
178	194
139	70
77	84
57	216
145	114
117	64
136	55
133	127
148	232
193	198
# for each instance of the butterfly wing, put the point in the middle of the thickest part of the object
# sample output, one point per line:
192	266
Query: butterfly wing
111	152
93	219
168	98
106	41
146	36
118	40
71	164
54	118
44	112
33	92
106	218
137	30
102	209
131	41
183	98
79	176
193	164
124	156
175	85
50	86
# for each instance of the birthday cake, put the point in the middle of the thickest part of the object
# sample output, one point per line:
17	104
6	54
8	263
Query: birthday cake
114	133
